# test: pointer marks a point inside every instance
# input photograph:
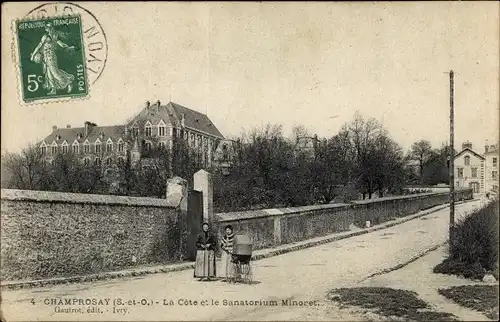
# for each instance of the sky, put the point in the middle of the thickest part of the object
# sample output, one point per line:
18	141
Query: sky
313	64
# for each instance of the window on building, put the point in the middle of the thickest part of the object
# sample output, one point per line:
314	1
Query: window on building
147	146
162	130
76	149
121	160
494	174
86	161
98	148
43	149
495	160
97	161
120	146
460	172
474	172
64	149
54	149
86	147
467	160
225	154
109	147
162	145
135	131
495	188
147	129
109	161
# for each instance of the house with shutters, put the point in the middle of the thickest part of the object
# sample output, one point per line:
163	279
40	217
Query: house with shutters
156	126
477	171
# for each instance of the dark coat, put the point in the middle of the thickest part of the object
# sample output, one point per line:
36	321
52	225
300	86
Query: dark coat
206	238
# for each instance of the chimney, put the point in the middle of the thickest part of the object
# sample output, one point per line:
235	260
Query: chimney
486	148
88	127
466	145
157	104
68	126
183	119
54	128
147	105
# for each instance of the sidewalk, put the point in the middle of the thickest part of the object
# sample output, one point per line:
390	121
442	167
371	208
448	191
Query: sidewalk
257	255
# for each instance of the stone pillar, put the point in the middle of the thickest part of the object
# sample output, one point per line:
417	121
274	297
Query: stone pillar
203	183
277	230
176	194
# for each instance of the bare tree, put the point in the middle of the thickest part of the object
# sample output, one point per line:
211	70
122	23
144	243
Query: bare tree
25	169
422	152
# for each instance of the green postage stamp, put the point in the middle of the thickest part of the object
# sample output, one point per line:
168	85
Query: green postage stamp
51	58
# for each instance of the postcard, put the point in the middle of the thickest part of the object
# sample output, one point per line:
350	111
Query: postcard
251	161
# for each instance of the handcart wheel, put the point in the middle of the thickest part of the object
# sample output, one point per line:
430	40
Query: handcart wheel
250	274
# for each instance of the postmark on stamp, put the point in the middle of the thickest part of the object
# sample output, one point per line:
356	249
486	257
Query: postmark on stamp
60	51
51	58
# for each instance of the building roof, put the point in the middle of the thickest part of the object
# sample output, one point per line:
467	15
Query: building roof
469	150
494	151
172	113
115	132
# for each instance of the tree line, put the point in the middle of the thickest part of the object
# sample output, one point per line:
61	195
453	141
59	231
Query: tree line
267	169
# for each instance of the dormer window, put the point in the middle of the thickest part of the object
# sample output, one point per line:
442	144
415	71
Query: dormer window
97	146
43	148
86	147
54	148
162	129
147	129
120	145
65	147
76	147
109	146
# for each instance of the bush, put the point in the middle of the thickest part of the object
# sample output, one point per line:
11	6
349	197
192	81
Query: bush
474	248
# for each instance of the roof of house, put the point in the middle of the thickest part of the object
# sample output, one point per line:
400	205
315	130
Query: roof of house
494	151
469	150
115	132
172	113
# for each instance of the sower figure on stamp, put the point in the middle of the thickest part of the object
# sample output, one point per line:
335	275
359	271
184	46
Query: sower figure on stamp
45	53
205	254
226	267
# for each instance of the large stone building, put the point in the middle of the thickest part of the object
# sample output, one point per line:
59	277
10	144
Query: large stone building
155	127
476	171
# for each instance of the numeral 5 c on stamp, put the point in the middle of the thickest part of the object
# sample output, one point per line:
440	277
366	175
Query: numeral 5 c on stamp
51	58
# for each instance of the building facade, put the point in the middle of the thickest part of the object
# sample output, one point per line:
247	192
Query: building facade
155	127
491	156
476	171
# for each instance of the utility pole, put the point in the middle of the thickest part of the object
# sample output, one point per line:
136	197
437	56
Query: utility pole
452	162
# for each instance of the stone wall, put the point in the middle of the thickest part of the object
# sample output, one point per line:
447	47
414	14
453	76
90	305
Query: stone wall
50	234
271	227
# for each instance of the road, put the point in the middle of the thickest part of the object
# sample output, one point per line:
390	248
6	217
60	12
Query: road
304	275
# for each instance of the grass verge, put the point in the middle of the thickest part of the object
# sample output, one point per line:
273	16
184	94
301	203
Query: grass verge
473	252
482	298
390	303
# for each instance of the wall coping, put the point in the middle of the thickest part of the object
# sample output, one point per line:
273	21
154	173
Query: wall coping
273	212
81	198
